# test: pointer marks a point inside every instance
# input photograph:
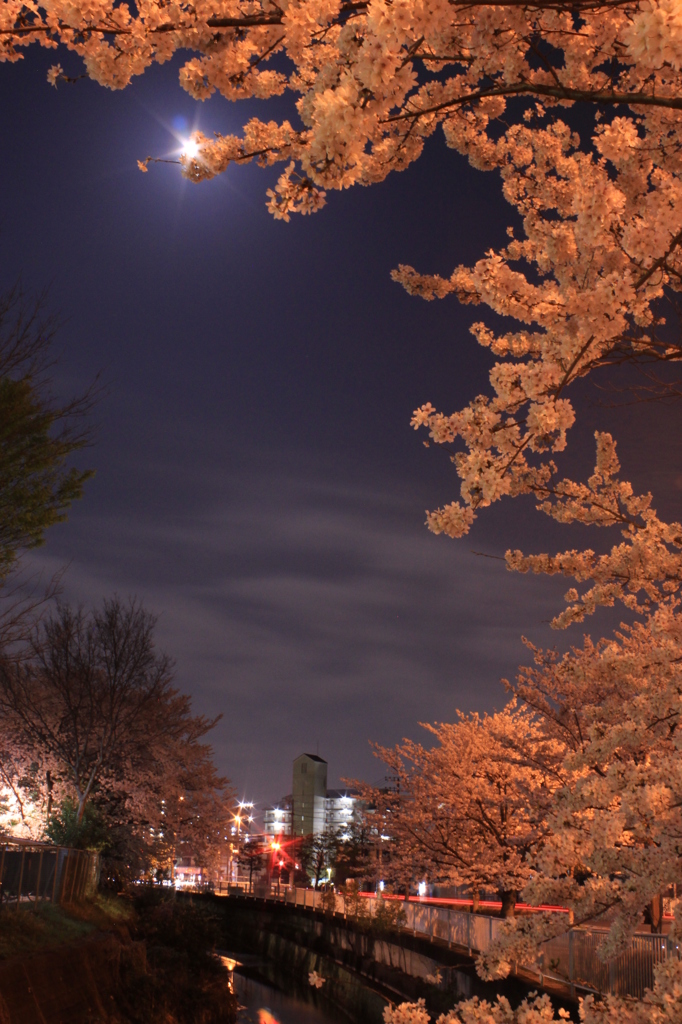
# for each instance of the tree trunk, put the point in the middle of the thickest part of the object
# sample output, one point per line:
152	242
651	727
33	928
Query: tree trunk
50	786
475	901
82	800
509	898
656	913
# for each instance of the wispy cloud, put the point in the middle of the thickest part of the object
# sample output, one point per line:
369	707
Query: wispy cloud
309	611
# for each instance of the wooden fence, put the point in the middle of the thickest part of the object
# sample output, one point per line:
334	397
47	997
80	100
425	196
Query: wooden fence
30	872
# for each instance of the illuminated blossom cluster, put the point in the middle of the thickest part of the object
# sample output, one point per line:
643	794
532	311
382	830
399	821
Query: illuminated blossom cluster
407	1013
21	814
663	1005
585	286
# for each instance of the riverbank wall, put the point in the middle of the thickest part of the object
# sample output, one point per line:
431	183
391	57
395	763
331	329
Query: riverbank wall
364	970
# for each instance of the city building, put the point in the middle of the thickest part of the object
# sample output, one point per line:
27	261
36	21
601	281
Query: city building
312	809
277	819
341	810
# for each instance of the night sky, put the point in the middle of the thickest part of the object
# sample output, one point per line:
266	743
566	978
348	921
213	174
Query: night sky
258	484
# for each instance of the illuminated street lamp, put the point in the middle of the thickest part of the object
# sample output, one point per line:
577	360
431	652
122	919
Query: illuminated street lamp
242	819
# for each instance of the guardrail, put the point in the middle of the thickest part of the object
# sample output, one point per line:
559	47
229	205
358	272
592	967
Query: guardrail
30	872
569	961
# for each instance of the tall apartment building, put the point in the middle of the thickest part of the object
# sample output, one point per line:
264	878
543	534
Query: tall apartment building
277	819
312	808
341	810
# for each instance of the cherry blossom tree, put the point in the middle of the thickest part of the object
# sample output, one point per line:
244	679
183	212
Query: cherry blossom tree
472	810
608	829
612	831
614	840
88	692
165	799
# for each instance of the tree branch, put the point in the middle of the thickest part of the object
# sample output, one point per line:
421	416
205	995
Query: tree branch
600	97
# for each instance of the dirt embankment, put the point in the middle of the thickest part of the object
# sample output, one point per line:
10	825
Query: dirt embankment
163	974
74	984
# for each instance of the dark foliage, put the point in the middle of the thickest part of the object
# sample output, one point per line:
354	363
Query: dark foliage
38	434
174	978
90	833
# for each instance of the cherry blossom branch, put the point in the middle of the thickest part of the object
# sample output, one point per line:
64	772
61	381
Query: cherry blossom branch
661	261
598	97
574	362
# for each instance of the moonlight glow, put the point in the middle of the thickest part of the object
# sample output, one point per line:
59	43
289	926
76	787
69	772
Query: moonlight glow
190	149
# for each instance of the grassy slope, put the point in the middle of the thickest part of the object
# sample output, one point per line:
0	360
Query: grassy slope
43	925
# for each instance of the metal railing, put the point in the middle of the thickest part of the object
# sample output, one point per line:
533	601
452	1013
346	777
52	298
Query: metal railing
31	871
570	961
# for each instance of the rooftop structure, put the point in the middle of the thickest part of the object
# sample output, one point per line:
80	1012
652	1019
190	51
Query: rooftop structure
309	795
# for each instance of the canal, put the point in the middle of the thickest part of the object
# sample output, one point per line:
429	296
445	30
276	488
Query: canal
267	997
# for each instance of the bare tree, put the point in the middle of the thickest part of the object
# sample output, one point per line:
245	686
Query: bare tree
94	705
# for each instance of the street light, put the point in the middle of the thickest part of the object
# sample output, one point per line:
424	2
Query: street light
242	818
274	847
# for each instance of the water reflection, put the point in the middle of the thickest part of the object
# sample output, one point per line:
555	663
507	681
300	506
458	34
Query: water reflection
265	1017
265	1004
